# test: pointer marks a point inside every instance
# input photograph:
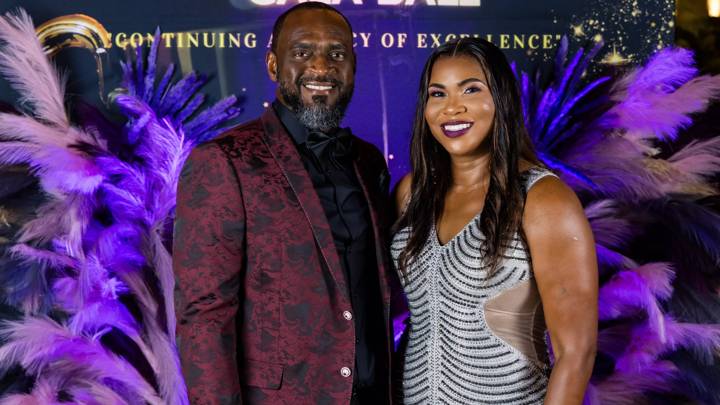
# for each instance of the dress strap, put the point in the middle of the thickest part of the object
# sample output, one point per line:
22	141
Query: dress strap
532	175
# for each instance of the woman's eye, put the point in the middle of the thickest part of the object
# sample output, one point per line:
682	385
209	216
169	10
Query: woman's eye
472	89
436	93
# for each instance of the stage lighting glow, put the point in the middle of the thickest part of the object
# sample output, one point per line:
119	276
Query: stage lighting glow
714	8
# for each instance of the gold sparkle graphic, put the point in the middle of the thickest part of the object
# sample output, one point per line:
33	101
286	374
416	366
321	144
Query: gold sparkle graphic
578	30
615	58
617	23
632	30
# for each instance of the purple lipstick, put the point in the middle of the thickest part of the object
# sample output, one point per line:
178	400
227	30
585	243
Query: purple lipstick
454	129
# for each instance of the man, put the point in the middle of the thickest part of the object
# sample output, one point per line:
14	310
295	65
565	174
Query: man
282	276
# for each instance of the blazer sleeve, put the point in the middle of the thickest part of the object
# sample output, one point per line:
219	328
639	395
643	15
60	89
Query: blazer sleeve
207	261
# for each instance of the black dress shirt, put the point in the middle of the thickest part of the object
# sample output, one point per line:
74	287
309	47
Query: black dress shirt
346	208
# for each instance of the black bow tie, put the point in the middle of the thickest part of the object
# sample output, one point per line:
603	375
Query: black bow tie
330	150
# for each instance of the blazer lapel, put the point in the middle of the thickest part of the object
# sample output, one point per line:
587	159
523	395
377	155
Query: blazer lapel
287	157
377	219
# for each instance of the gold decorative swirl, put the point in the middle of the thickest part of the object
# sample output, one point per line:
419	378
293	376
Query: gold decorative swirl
76	31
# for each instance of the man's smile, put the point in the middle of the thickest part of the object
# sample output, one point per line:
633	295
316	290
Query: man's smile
319	87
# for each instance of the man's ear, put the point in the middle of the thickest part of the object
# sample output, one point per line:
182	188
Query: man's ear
271	65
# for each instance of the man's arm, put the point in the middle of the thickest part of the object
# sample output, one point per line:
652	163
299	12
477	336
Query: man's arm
207	260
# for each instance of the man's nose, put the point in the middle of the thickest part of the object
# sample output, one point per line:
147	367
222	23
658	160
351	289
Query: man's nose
320	64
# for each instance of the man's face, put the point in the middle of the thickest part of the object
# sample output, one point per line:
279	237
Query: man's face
314	66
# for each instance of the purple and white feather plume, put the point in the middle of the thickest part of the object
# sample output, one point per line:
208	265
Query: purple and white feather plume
100	325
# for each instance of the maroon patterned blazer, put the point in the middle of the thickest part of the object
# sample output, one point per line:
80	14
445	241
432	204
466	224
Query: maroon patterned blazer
261	298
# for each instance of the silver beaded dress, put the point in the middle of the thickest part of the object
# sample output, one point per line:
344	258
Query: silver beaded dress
473	338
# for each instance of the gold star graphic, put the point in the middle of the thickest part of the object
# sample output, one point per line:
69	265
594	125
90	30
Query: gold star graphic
578	30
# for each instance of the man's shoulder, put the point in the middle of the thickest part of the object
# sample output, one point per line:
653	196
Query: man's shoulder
232	139
242	131
367	150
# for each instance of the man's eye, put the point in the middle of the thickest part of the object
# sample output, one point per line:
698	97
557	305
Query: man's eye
301	53
337	55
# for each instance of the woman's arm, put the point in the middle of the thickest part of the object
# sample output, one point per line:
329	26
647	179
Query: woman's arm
563	259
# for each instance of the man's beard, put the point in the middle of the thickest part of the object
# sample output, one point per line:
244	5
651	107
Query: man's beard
319	115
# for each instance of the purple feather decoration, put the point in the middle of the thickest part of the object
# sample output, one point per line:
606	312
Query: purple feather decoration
624	388
100	240
657	247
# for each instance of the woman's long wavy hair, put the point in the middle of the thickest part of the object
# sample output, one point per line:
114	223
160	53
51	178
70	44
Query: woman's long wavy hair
509	142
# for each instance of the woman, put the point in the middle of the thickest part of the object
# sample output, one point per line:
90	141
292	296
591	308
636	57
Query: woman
488	242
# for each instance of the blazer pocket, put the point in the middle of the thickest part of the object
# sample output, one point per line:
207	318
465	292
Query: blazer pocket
262	374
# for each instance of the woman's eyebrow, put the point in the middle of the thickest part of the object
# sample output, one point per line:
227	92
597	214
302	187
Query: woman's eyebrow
460	84
470	80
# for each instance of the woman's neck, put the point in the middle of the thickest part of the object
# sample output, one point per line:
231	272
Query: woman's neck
469	172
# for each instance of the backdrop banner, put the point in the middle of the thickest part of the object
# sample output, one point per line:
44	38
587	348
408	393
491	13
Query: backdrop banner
228	41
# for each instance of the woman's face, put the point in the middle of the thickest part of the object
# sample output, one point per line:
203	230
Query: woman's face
460	109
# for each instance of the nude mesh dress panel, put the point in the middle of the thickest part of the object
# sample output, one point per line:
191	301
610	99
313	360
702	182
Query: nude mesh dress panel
452	356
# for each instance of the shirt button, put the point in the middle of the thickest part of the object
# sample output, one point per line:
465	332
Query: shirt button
347	315
345	372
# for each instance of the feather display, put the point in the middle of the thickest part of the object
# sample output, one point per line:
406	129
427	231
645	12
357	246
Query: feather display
22	69
658	247
91	272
